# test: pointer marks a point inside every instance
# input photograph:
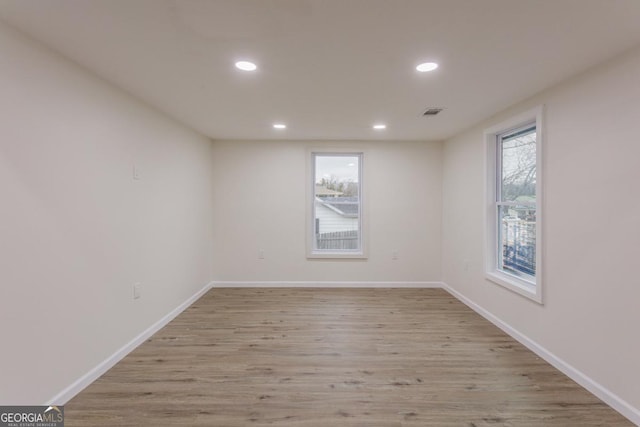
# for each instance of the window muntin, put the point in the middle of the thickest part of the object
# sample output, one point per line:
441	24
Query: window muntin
337	204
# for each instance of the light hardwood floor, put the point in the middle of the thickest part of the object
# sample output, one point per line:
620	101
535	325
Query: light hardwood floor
334	357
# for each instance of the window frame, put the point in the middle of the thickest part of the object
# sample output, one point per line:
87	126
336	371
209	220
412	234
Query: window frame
521	285
313	253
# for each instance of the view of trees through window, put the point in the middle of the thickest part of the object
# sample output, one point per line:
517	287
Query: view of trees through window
347	189
337	202
516	202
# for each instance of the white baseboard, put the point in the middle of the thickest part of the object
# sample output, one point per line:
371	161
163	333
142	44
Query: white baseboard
310	284
604	394
81	383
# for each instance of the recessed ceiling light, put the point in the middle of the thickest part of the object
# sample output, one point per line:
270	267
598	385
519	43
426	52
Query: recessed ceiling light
379	126
246	66
279	126
427	66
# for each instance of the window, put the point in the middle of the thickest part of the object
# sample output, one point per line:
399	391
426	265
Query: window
336	206
513	232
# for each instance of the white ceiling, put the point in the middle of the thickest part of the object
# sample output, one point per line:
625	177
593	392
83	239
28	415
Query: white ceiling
331	68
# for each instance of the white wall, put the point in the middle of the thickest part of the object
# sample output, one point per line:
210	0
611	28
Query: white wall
260	203
76	230
591	166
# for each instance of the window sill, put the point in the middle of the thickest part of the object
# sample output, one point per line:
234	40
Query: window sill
336	255
517	285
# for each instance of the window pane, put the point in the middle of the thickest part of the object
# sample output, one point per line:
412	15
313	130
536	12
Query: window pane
518	161
337	203
517	237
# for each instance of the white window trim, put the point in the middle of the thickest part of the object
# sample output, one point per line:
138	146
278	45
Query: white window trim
310	222
531	290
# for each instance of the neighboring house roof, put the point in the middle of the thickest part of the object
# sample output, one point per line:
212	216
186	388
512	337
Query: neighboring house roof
345	206
322	191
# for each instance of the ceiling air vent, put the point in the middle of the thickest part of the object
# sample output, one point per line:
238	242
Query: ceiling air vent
432	111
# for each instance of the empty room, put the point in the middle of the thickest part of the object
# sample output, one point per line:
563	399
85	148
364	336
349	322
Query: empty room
319	212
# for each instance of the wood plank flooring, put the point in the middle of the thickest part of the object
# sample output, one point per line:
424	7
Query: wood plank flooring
334	357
